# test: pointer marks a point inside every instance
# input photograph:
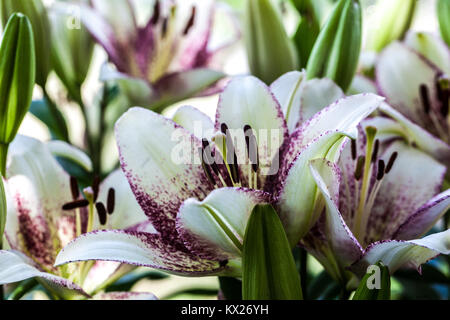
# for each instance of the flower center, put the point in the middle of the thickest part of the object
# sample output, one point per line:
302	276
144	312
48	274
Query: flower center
365	167
229	175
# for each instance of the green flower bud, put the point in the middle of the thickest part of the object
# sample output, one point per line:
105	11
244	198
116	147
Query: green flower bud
17	75
270	51
390	21
336	52
37	14
443	8
72	50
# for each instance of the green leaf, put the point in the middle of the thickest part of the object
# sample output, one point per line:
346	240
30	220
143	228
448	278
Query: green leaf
17	75
375	285
269	271
270	51
335	54
41	110
2	211
443	11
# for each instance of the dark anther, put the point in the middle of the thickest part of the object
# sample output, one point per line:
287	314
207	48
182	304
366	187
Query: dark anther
359	167
74	188
381	168
223	263
101	210
353	145
75	205
391	162
95	187
156	12
252	147
445	103
224	128
375	150
206	168
231	154
425	98
111	201
443	93
191	21
164	27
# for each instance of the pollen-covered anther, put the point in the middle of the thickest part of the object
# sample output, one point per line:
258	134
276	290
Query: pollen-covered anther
381	169
442	84
425	98
191	21
391	162
75	205
353	148
111	201
95	187
252	147
101	211
156	12
376	149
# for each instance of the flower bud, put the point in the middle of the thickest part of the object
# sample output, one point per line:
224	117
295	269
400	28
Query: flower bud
443	8
390	21
17	76
37	14
72	50
270	51
336	52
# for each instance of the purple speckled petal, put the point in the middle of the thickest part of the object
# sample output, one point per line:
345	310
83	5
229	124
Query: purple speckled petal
161	162
140	249
200	223
37	188
396	254
400	72
414	179
338	239
15	267
125	296
425	218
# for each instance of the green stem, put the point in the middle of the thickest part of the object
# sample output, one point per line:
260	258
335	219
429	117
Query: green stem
25	287
3	156
304	272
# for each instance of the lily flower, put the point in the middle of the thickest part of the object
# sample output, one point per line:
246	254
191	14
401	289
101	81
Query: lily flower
46	211
381	199
414	76
168	58
198	181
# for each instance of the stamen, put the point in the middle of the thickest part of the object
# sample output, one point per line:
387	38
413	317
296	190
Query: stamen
443	93
232	163
223	263
75	205
111	201
101	211
252	147
156	12
359	167
381	168
191	21
164	27
391	162
206	168
95	187
425	98
74	188
375	150
353	145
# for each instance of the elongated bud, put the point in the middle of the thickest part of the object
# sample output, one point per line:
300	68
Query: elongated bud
308	29
72	50
37	13
270	51
17	75
390	21
443	11
336	52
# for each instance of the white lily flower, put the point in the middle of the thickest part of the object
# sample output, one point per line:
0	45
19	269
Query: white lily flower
200	207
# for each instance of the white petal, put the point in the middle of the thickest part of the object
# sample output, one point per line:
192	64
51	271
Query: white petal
195	121
65	150
125	296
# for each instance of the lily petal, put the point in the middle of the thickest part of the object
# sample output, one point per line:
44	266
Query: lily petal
396	74
125	296
162	166
214	228
396	254
140	249
65	150
425	218
15	267
344	247
432	47
195	121
422	138
413	180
